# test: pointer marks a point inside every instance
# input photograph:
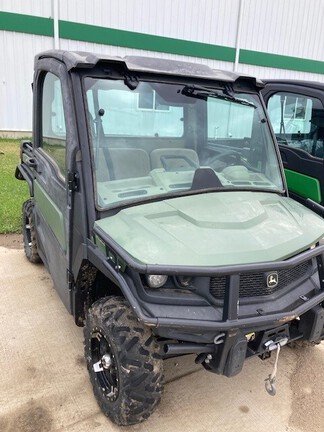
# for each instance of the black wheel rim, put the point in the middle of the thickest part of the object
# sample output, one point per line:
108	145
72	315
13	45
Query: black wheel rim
107	377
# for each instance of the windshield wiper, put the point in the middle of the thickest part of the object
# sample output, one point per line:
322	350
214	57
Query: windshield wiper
201	92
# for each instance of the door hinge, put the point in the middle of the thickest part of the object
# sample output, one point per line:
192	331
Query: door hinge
73	182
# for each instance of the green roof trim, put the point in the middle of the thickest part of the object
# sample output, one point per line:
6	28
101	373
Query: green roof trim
26	24
108	36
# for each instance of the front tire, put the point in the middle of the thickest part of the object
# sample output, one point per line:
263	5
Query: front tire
124	362
29	233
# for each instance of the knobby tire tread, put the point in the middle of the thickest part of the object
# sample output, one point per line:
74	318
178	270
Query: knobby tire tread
140	374
31	251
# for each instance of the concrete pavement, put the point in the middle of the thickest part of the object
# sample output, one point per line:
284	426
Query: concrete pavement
44	384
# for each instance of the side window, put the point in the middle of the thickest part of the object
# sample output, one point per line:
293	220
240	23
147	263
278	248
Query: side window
298	121
53	122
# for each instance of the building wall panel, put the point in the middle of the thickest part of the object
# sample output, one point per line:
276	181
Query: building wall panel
267	73
41	8
16	76
209	21
291	28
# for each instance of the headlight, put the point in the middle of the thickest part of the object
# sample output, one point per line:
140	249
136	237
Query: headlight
184	281
156	281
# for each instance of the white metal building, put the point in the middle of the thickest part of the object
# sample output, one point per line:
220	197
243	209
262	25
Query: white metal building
266	38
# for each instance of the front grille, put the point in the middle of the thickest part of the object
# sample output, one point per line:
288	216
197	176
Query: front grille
255	284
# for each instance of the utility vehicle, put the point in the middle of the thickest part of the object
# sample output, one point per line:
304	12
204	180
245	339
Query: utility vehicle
159	205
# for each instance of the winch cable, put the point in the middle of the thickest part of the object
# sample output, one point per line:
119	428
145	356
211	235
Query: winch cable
270	385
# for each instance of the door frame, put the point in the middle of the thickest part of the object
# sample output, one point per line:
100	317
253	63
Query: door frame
304	172
53	199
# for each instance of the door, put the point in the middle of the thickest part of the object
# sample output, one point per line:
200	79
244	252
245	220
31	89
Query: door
297	117
53	132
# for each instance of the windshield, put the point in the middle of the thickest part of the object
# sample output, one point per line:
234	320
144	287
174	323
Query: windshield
161	139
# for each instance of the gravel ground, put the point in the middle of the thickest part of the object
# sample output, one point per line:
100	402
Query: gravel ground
11	241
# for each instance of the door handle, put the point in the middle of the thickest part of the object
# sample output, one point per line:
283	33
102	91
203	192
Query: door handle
32	163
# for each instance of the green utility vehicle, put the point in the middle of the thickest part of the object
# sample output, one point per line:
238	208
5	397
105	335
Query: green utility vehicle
159	206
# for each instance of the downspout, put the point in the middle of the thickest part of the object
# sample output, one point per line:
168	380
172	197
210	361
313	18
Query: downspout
55	8
238	35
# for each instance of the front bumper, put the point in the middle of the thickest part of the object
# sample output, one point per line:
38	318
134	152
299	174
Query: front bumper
230	332
209	319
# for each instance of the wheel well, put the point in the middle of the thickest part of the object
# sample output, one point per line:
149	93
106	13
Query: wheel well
91	285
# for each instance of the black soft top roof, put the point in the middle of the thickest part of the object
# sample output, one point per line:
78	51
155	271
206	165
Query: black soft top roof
79	59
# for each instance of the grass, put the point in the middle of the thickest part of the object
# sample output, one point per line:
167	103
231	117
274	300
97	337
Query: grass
13	192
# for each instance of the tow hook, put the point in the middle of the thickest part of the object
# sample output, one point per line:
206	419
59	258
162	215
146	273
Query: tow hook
270	382
219	339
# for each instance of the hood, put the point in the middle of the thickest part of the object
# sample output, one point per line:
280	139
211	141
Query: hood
222	228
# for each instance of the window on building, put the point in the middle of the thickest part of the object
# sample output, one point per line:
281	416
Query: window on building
150	100
139	113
